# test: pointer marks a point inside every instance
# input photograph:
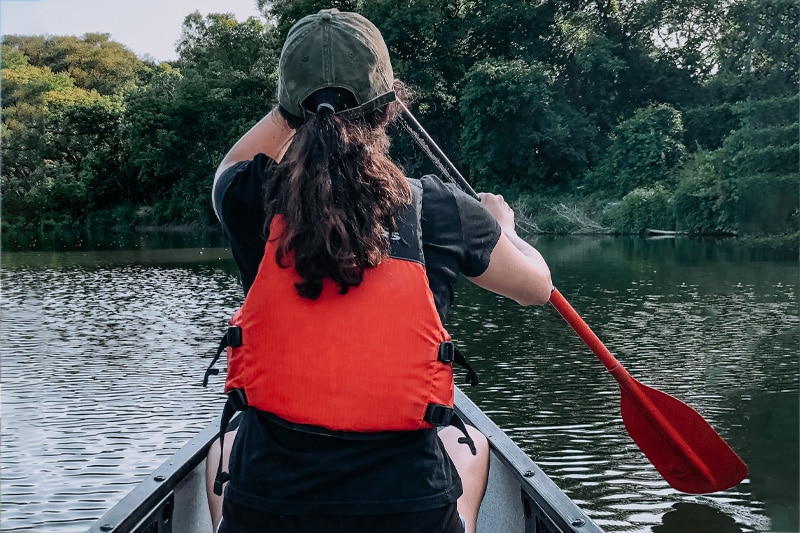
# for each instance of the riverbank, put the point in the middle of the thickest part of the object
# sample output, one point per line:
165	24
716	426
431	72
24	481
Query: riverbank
71	238
534	216
564	218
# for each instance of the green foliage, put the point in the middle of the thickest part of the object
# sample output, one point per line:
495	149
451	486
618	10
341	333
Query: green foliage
428	43
759	45
705	127
643	208
600	66
178	127
27	84
703	201
768	204
644	149
751	183
93	62
686	110
59	144
12	58
152	138
592	72
762	112
685	33
513	132
287	12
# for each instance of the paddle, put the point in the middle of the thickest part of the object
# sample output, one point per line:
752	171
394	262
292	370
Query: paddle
682	446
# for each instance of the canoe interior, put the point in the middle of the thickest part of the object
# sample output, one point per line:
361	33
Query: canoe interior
520	497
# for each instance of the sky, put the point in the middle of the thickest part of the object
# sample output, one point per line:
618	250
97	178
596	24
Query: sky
147	27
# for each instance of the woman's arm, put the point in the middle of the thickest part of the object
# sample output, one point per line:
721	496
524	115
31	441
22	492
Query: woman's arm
270	136
516	269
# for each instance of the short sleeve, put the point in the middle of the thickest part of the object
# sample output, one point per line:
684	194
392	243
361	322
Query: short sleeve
458	237
238	198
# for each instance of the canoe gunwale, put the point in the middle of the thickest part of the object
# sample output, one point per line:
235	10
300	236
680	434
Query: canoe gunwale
545	507
153	492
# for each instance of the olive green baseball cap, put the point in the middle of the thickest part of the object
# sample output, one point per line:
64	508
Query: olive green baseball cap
335	49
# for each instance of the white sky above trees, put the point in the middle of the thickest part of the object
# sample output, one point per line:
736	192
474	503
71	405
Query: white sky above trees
147	27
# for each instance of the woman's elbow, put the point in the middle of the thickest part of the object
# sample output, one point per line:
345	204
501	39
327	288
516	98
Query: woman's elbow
538	293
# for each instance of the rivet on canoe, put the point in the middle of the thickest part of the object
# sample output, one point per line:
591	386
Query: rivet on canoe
528	473
106	527
578	522
159	478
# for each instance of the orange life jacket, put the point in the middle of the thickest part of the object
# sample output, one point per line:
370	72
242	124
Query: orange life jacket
374	359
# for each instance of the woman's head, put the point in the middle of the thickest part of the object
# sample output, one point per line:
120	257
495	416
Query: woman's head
342	190
335	50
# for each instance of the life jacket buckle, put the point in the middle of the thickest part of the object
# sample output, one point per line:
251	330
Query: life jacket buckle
437	414
234	336
238	399
447	352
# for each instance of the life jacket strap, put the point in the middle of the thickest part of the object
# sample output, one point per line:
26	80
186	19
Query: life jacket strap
232	338
443	415
447	352
237	401
466	439
437	414
460	360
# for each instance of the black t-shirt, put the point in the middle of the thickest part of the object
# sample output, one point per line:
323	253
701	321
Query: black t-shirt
277	468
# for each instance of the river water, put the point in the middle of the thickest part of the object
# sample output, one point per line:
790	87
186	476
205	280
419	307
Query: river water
104	348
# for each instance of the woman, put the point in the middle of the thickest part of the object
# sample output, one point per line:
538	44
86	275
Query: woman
348	269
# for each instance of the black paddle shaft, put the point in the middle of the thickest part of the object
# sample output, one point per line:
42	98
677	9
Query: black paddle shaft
432	150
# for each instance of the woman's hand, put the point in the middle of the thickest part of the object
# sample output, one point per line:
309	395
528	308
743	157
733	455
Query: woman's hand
499	209
516	269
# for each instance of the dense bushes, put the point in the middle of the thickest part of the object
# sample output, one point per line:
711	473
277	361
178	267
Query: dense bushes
572	106
644	150
749	185
643	208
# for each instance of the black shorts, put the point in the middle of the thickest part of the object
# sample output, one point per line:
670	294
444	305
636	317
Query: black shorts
239	519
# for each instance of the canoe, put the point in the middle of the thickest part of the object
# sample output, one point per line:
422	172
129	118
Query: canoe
520	497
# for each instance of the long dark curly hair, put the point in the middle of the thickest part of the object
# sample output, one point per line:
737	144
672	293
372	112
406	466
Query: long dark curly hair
342	194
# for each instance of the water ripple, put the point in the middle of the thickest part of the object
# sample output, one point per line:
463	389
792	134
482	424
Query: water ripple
102	384
103	362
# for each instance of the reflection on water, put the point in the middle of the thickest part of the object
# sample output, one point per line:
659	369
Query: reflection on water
716	331
101	375
83	239
105	350
698	518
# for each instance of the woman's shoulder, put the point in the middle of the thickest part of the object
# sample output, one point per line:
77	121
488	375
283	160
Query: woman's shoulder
242	184
438	194
433	184
446	199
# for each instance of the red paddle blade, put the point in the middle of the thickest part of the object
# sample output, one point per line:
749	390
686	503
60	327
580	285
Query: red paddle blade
683	447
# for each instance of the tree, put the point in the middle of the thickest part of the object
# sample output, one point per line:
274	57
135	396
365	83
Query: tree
644	150
516	130
179	126
152	138
59	146
93	61
759	47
